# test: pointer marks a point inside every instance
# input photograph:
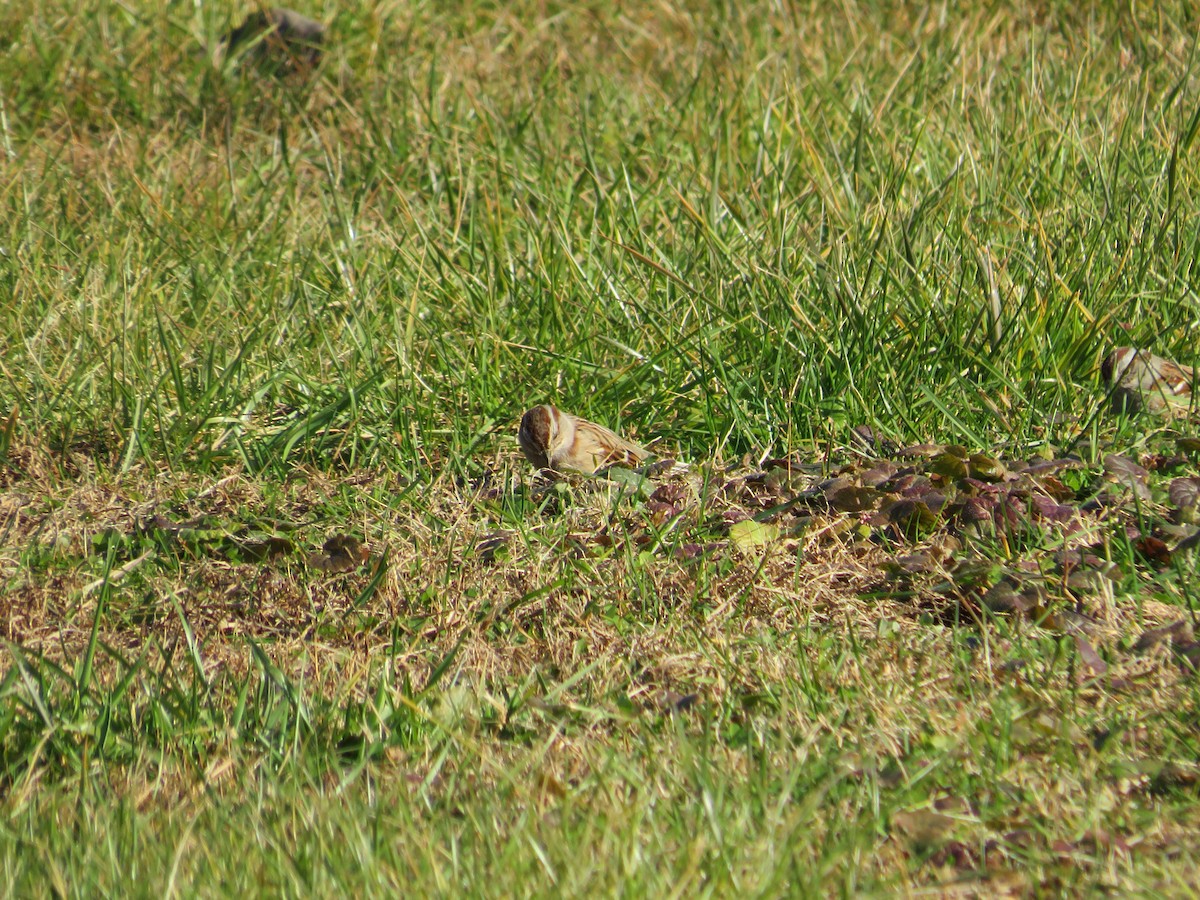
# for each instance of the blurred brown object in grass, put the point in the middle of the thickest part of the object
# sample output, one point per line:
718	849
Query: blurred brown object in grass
279	37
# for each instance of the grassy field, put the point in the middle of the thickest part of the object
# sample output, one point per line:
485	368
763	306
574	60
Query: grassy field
286	611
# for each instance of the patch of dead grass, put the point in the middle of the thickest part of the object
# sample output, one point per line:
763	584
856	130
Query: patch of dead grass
580	634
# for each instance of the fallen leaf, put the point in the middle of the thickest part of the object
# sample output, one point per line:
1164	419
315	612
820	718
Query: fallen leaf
918	450
923	827
912	517
661	512
978	509
879	474
903	481
670	702
867	439
1154	550
1090	657
672	492
1177	632
1009	596
987	468
695	551
494	546
1176	774
1054	487
340	553
1049	509
853	498
835	484
750	536
1127	473
1190	542
950	466
1184	493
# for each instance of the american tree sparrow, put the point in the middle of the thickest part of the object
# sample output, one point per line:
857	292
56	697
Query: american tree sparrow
1139	378
553	439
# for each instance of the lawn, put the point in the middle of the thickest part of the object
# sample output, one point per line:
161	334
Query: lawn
286	611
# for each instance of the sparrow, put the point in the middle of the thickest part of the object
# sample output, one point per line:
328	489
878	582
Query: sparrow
553	439
1139	379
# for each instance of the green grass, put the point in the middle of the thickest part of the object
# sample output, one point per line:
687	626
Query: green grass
240	307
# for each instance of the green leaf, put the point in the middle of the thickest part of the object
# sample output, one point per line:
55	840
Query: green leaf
750	536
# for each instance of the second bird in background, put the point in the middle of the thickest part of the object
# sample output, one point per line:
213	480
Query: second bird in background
1139	379
553	439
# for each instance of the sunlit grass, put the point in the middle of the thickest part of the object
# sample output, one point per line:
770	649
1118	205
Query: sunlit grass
318	304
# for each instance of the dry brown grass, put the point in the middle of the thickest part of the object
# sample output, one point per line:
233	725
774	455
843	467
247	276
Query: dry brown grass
584	587
597	644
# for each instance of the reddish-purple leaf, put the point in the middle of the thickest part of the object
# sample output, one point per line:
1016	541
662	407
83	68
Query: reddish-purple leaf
878	475
1154	550
917	488
1185	492
832	485
1178	632
1053	486
935	500
912	517
660	512
1008	596
853	498
672	492
918	450
1050	510
1090	657
1123	467
1189	543
687	552
1048	466
1127	473
978	509
977	487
